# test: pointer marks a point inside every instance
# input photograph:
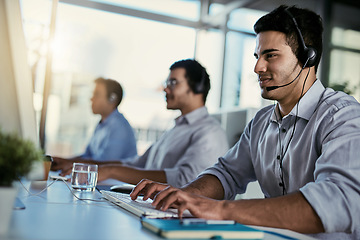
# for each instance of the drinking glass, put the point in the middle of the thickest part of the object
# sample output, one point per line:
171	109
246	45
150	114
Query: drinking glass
84	177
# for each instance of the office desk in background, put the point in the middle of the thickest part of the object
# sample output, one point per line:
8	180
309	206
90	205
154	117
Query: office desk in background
57	214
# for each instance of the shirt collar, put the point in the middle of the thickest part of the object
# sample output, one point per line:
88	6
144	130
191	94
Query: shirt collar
307	104
112	115
309	101
193	116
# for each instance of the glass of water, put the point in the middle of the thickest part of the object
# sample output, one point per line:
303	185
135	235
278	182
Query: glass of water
84	177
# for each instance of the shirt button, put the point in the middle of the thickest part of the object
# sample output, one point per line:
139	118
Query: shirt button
278	157
283	130
280	184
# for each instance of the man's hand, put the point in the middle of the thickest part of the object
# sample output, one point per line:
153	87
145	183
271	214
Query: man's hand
199	206
165	196
65	165
147	188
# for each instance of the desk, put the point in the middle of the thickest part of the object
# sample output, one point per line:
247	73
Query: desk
57	214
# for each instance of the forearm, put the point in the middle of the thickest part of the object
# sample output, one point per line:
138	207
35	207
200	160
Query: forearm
91	161
206	185
290	212
79	159
133	175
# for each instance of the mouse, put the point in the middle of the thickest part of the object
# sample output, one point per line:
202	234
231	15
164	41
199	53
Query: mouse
123	188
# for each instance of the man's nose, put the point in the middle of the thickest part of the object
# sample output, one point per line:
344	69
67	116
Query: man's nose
260	66
167	89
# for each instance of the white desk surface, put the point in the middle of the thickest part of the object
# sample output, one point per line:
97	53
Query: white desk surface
57	214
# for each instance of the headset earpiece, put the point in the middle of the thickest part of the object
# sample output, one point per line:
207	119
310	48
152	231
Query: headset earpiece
309	56
112	97
199	87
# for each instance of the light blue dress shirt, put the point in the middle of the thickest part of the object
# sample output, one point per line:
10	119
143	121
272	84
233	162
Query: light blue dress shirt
113	139
322	160
195	143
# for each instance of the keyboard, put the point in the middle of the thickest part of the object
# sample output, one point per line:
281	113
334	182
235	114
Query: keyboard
139	207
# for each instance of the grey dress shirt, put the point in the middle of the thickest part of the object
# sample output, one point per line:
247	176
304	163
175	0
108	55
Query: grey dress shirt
195	143
322	160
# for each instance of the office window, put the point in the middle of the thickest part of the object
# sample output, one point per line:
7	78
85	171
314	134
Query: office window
90	43
215	9
345	72
210	53
345	61
240	85
346	38
243	19
175	8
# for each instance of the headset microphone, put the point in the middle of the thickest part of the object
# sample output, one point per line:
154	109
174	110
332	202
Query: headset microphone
276	87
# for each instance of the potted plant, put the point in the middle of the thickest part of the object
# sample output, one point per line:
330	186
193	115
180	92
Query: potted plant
16	158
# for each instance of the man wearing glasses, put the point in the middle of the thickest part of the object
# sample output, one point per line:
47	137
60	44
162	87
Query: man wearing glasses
193	144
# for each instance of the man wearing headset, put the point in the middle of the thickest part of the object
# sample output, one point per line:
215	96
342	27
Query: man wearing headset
304	151
113	137
181	153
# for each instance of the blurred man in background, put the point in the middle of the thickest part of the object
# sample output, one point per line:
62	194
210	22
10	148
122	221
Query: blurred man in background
113	137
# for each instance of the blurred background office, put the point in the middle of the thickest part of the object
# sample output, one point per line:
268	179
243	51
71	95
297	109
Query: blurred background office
71	42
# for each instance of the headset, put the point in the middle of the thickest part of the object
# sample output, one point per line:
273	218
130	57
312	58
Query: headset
200	86
112	97
307	55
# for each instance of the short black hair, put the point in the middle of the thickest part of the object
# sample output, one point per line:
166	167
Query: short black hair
196	76
309	23
114	90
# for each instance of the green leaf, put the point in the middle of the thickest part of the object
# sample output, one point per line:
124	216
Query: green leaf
16	157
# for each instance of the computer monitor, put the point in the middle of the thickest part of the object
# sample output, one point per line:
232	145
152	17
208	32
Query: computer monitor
234	122
16	90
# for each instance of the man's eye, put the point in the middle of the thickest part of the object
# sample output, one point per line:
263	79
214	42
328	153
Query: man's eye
270	55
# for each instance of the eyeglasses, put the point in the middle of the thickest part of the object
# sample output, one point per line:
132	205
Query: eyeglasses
171	83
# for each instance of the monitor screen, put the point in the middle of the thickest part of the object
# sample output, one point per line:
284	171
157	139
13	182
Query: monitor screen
16	90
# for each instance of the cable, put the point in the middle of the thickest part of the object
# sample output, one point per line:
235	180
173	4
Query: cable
67	185
35	194
297	111
291	137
